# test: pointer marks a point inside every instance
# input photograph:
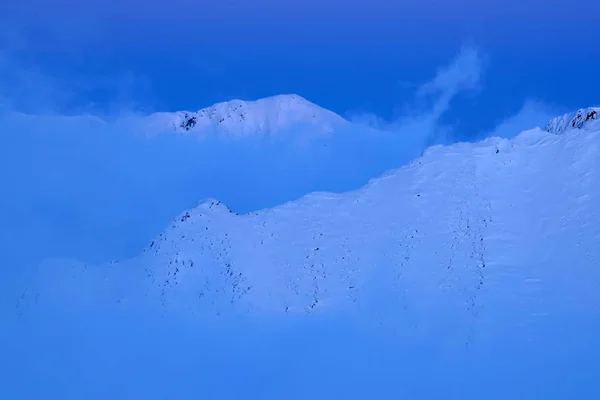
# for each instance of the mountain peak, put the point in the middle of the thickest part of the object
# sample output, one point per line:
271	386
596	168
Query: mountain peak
263	116
573	120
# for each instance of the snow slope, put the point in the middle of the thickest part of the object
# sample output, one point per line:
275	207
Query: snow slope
268	116
505	224
439	229
470	273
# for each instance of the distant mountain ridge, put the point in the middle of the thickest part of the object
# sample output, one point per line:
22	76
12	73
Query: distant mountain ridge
267	116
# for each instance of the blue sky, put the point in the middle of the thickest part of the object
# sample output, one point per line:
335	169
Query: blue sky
350	57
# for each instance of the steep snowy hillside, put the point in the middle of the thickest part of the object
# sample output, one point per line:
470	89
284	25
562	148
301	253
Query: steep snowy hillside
479	232
586	118
266	116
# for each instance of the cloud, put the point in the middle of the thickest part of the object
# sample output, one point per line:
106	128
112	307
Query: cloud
419	119
78	180
25	88
533	113
462	74
56	82
75	181
88	189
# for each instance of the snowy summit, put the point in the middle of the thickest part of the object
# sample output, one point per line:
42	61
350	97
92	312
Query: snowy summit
266	116
574	120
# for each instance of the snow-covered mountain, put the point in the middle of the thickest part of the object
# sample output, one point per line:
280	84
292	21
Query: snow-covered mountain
582	118
471	272
268	116
273	115
477	230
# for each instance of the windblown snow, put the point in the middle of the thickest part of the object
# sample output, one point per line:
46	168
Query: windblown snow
476	231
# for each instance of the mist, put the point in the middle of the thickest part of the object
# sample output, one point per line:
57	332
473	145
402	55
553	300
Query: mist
100	188
94	189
